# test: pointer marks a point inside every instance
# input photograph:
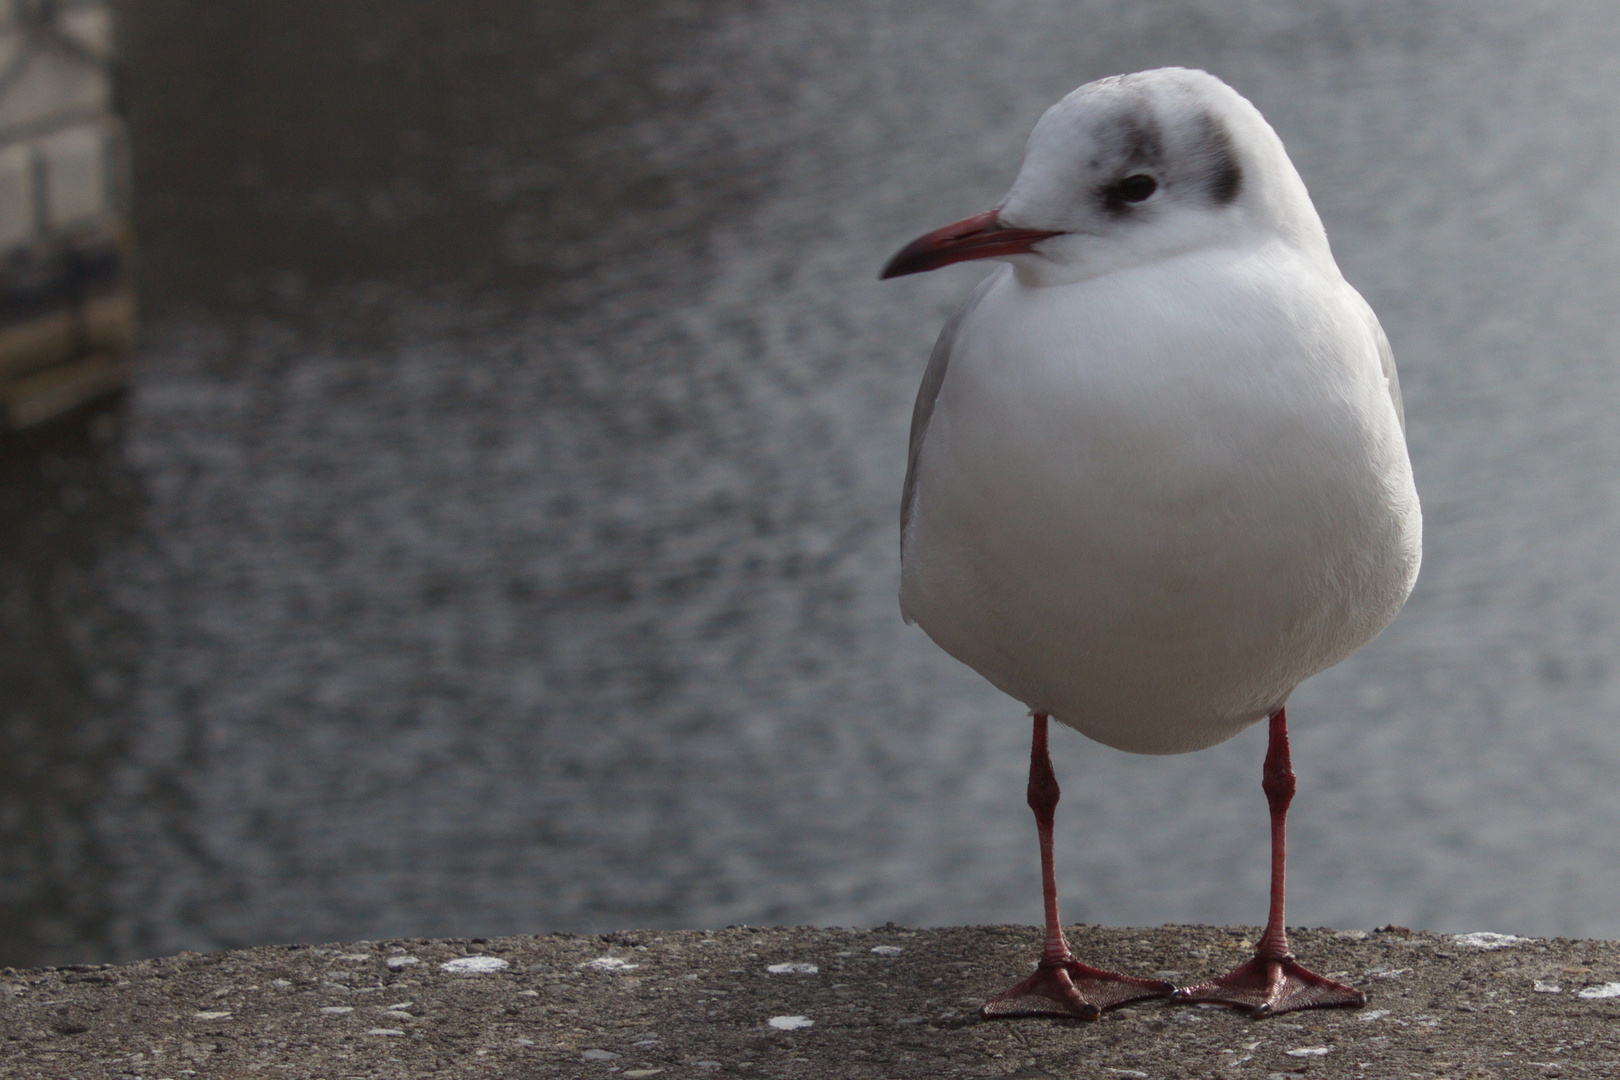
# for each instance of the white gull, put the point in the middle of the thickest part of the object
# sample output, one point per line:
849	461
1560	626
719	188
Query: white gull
1158	471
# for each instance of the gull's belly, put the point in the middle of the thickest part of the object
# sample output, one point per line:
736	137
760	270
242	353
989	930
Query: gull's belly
1157	569
1143	630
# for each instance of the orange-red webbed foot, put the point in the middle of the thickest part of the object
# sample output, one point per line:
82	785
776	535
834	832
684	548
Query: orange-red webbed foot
1271	986
1070	988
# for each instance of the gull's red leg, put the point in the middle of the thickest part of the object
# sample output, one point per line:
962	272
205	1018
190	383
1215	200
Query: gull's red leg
1061	985
1272	982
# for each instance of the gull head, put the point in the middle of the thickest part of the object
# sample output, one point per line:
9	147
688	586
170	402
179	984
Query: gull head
1130	170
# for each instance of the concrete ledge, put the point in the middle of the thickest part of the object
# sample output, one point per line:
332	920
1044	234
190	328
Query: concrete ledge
804	1003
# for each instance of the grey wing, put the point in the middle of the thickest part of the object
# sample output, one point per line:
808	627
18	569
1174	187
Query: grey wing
928	392
1387	358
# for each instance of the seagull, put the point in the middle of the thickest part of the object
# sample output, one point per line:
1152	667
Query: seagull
1158	473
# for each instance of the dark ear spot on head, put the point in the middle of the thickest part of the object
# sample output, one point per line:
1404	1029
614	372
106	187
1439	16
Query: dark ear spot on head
1222	175
1226	182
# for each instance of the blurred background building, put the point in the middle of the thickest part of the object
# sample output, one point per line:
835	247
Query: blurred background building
67	308
498	533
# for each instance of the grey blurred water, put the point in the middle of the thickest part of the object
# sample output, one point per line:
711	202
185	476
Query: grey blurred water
500	535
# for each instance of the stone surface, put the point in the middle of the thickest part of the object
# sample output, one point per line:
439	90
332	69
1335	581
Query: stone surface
884	1003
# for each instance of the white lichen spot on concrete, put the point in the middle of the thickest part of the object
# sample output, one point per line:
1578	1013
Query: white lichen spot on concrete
474	965
1607	990
1546	987
1308	1052
610	963
397	1014
396	962
336	1010
887	950
210	1015
385	1031
1372	1014
790	1023
1485	939
793	969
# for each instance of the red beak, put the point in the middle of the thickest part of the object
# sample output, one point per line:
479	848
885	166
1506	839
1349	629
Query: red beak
981	236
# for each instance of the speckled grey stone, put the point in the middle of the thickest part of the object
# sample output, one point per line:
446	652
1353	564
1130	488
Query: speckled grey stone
677	1004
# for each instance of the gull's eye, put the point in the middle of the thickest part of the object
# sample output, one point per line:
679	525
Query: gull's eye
1135	188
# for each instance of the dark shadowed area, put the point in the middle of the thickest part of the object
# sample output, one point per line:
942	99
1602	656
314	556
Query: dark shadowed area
500	534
